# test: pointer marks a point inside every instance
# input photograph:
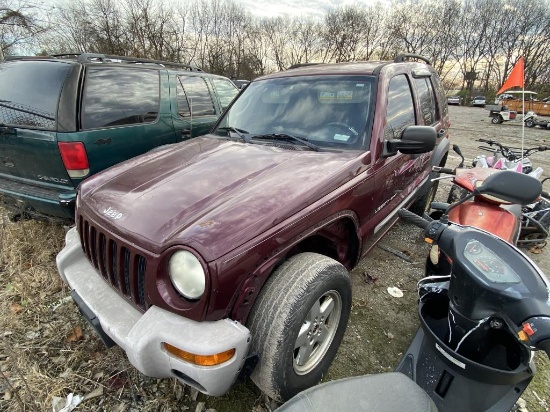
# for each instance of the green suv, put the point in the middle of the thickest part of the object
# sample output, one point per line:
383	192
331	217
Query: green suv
64	118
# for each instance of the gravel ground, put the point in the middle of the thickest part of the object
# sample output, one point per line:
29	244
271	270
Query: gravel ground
47	350
381	326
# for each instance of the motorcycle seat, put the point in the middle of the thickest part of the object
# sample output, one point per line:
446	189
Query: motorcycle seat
390	392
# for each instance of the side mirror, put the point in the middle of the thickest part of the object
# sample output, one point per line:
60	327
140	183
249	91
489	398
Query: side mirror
414	140
512	187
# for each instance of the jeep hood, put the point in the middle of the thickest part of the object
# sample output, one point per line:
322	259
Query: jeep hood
210	194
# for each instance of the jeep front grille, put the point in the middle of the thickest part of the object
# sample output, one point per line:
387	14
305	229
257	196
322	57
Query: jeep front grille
123	268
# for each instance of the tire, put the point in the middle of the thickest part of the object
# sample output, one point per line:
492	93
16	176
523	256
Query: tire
456	193
422	204
529	123
496	120
288	310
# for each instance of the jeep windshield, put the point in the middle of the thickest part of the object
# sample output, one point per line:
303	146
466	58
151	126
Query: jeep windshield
326	111
30	93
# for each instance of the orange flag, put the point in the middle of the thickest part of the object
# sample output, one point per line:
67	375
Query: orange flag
515	78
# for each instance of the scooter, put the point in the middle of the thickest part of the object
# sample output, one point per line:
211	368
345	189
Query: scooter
479	326
532	120
526	225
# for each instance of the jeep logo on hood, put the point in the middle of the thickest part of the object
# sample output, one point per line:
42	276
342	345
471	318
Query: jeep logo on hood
112	213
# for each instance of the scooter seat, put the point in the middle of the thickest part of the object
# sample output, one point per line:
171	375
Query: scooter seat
386	392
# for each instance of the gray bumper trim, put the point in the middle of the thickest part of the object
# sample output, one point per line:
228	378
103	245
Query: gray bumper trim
140	334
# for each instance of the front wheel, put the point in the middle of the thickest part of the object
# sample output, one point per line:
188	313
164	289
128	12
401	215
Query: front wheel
496	120
529	123
298	322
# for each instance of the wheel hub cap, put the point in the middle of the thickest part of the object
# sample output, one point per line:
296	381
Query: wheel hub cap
317	332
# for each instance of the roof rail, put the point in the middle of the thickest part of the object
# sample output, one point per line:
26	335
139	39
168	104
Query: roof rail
65	55
400	58
25	57
296	66
107	58
86	57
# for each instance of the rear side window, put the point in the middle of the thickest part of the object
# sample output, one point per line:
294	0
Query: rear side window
194	98
428	105
400	110
116	96
29	92
440	93
226	91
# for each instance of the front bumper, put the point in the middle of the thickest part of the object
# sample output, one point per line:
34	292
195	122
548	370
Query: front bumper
141	335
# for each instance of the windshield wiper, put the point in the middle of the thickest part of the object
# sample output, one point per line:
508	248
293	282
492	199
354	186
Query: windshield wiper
286	136
239	132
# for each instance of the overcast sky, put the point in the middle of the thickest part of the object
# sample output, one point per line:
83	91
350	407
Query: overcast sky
273	8
306	8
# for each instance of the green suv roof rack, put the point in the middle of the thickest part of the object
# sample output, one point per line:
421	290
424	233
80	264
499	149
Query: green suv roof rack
107	58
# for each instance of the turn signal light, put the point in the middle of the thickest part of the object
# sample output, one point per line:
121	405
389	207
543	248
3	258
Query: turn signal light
74	158
201	360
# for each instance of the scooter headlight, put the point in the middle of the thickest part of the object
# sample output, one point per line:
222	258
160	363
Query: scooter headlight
187	274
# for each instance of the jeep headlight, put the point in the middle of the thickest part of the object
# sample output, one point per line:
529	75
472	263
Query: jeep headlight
187	274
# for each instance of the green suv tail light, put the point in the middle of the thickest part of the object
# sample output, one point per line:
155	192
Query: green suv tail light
74	158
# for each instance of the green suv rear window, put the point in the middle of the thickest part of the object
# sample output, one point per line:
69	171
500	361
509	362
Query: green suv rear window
30	91
116	96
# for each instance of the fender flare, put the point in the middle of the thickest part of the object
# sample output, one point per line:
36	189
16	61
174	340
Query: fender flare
438	156
440	152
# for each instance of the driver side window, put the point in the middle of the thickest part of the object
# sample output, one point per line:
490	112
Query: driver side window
400	108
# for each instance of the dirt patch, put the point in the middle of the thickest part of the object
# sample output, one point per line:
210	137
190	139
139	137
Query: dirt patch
47	350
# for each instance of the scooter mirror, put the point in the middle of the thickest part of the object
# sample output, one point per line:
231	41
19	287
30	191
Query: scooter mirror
512	187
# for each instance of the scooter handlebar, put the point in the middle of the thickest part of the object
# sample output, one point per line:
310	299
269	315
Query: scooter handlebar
446	170
538	329
413	218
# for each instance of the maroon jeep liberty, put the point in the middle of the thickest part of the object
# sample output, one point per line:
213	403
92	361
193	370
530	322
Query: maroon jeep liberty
228	255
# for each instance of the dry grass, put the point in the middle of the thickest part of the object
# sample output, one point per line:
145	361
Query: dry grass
47	350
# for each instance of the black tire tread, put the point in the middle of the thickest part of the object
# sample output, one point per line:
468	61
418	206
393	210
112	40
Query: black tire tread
422	204
456	193
274	309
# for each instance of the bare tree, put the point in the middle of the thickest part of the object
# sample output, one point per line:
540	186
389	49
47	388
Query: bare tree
19	24
345	34
473	42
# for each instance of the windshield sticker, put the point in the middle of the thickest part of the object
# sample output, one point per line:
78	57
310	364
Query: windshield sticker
345	95
341	137
326	96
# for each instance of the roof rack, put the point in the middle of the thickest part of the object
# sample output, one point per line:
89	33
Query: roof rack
85	57
107	58
400	58
296	66
26	57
